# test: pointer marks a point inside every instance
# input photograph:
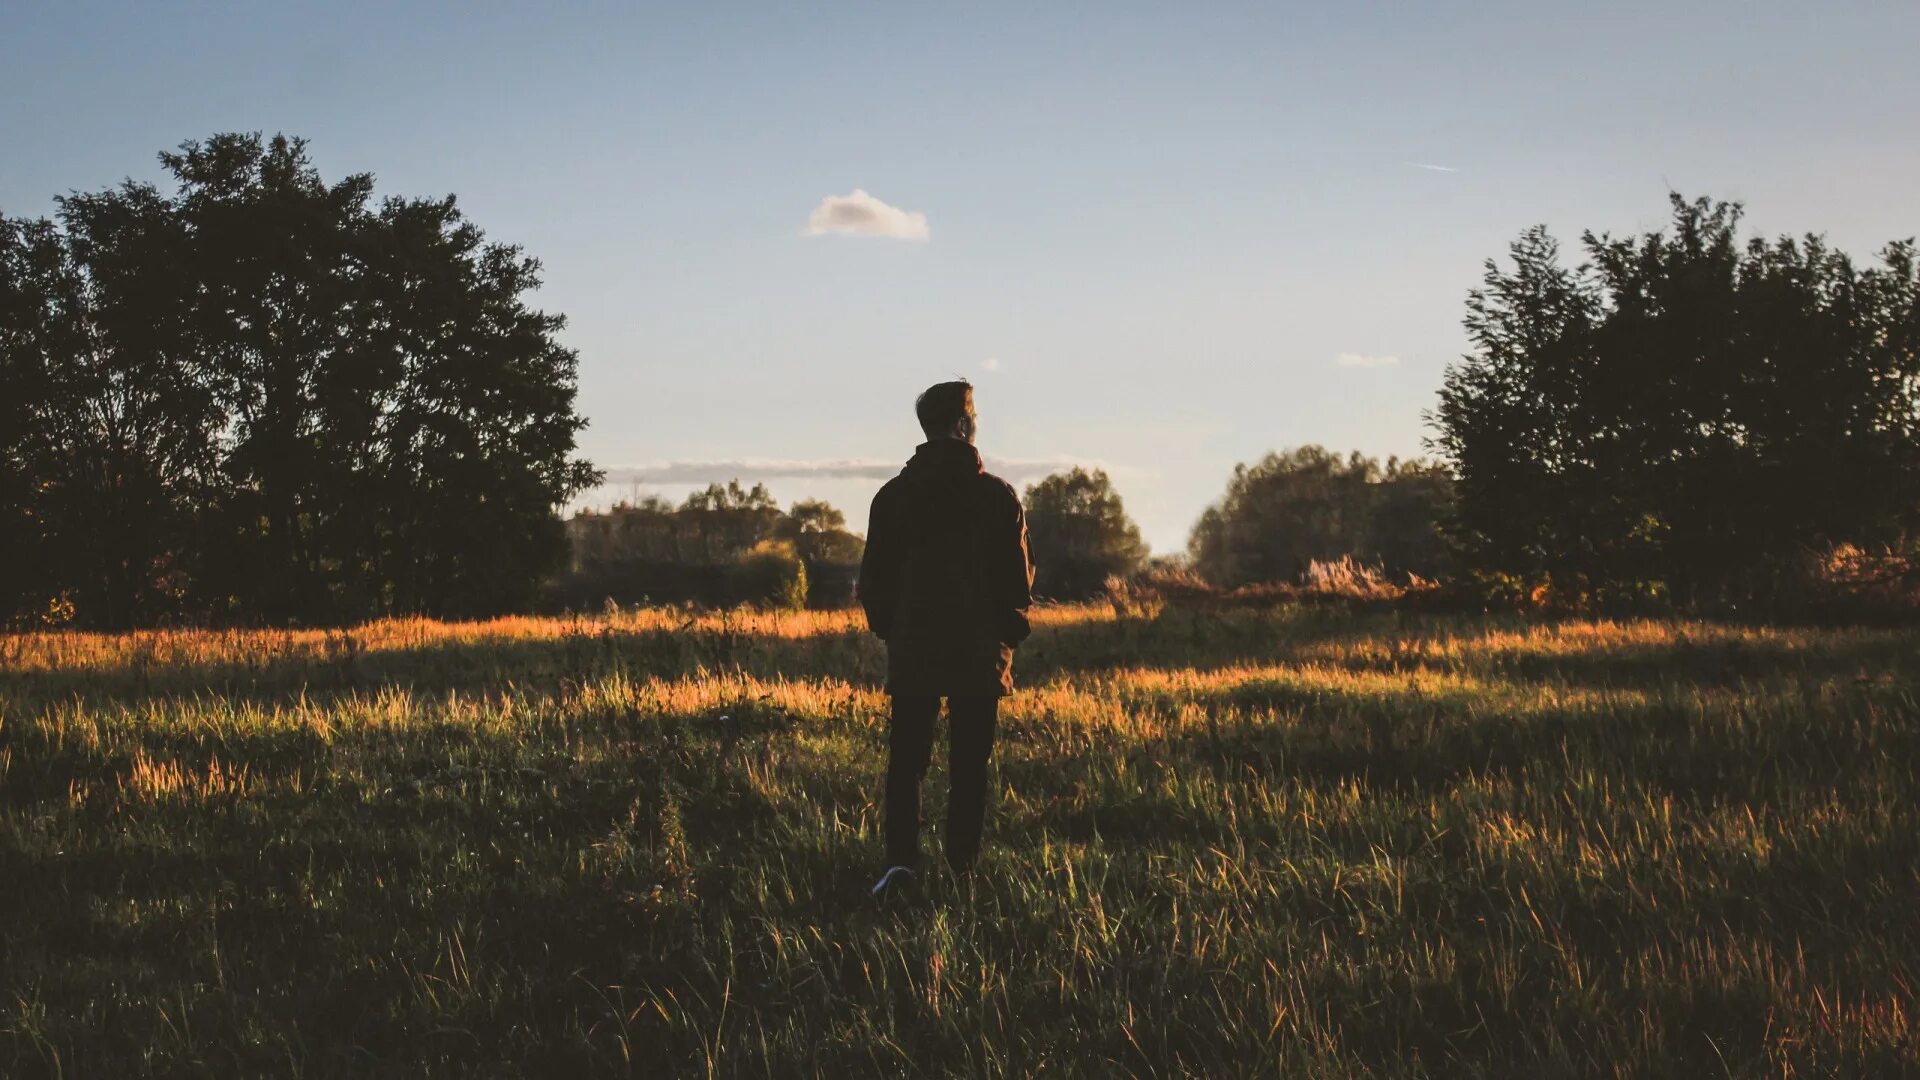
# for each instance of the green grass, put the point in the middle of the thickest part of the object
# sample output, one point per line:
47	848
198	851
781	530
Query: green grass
1299	841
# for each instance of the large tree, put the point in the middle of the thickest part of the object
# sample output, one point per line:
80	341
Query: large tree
265	397
1079	534
110	416
1683	412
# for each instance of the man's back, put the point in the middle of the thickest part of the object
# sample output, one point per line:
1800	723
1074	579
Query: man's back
946	576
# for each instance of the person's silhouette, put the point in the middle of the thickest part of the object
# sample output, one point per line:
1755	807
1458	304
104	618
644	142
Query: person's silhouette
946	582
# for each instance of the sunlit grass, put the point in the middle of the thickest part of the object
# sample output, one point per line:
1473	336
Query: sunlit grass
1298	841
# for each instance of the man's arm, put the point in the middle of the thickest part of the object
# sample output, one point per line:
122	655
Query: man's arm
879	582
1010	571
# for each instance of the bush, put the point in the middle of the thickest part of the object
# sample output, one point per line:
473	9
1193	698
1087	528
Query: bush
1345	576
772	576
1850	583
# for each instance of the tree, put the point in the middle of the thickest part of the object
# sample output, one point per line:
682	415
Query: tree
1683	414
830	553
1410	504
1291	509
111	421
1079	534
36	339
725	544
819	532
262	397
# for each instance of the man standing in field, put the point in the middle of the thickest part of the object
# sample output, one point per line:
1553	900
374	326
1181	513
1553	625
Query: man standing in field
946	583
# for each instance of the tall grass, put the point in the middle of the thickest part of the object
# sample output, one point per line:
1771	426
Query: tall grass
1298	841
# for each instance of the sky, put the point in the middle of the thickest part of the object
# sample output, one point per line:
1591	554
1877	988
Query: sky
1160	239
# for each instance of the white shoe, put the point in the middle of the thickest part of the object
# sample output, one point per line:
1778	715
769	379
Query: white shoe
895	878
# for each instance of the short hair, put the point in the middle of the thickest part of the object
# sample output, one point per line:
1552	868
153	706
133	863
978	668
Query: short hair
942	406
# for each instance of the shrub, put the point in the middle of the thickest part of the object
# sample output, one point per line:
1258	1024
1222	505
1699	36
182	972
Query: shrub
1345	576
772	576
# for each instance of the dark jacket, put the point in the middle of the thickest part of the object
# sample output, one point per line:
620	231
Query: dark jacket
946	580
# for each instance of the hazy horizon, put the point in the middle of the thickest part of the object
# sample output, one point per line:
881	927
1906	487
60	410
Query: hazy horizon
1158	242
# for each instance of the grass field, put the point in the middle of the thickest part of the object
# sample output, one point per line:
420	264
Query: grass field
1300	841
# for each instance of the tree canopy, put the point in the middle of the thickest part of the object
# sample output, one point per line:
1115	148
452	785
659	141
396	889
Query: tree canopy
1291	509
726	544
1683	413
1079	534
267	397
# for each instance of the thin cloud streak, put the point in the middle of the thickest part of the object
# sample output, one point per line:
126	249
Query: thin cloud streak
719	472
1432	168
1361	360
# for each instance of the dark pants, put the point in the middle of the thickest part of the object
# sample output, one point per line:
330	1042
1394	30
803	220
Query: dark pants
970	723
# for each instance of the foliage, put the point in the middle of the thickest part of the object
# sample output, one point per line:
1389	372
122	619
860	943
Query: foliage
1683	417
1079	534
263	397
772	575
1292	509
109	418
819	533
723	545
1296	841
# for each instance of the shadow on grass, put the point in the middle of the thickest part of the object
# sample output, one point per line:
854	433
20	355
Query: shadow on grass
367	896
554	892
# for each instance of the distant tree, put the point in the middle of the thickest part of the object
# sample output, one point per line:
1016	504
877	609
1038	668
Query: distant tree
1683	414
819	532
731	496
1080	534
724	545
770	575
1411	503
814	517
724	520
1291	509
829	552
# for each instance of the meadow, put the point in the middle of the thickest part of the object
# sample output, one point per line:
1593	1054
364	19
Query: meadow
1299	840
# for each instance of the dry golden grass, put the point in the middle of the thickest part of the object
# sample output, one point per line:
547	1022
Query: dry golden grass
1241	842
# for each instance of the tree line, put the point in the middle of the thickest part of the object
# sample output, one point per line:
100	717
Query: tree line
264	397
723	545
729	544
1278	517
1684	420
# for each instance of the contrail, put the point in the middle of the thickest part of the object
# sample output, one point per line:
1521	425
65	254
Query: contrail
1432	168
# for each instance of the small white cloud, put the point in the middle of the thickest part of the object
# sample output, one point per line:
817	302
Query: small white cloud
1361	360
991	363
1432	168
863	215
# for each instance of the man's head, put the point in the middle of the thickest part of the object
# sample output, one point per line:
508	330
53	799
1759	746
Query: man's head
946	411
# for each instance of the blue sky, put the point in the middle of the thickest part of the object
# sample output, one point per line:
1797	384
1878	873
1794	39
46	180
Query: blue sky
1152	232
